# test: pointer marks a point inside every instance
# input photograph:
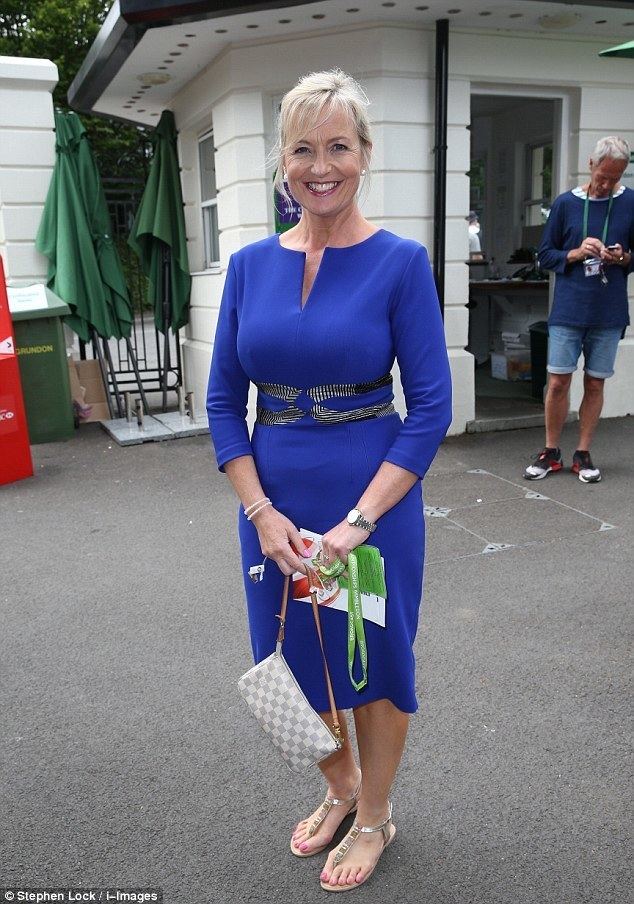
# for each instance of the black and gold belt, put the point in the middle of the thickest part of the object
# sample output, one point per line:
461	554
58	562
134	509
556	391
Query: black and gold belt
319	394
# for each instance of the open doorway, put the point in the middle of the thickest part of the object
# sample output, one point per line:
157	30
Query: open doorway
512	185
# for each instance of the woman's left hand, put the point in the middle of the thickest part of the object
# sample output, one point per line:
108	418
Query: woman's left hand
342	539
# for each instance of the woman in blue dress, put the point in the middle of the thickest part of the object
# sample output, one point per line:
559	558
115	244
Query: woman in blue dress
315	319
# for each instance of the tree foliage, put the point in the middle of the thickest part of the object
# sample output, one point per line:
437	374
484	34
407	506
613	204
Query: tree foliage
63	32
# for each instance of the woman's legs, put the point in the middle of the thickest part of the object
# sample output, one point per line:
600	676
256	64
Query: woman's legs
342	775
381	733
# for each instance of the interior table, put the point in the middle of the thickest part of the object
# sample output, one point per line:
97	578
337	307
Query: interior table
507	291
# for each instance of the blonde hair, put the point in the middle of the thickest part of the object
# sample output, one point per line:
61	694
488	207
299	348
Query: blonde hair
309	104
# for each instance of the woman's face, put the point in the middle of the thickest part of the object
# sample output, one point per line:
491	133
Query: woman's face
324	166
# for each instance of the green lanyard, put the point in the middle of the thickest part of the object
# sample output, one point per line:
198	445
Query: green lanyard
586	208
364	564
356	632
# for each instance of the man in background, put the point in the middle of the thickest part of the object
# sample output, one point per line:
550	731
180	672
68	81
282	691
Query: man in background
587	242
475	248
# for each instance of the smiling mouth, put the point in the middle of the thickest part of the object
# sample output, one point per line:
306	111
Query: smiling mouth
321	188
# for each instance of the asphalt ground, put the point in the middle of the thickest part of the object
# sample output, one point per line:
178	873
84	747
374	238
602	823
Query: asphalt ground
128	757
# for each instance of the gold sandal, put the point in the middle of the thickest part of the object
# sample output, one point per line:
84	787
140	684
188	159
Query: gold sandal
324	810
389	831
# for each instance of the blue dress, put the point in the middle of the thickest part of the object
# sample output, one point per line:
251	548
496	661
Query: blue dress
370	302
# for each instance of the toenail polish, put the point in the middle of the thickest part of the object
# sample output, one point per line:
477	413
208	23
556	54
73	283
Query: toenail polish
303	847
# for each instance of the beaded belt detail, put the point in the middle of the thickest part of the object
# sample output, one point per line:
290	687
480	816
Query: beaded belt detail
319	394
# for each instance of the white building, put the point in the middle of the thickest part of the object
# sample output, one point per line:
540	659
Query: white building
27	157
527	97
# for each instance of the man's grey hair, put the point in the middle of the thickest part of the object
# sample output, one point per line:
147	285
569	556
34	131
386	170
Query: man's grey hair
611	146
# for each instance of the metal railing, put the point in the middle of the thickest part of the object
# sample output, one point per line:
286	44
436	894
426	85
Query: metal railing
159	361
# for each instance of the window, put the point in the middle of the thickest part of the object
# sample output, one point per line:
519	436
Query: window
209	204
539	172
477	184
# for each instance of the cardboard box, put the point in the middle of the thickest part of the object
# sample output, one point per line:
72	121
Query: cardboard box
76	390
99	412
511	366
87	389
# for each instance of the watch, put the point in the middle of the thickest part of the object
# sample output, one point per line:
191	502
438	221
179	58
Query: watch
355	519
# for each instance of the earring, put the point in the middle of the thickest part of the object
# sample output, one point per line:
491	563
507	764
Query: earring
284	176
363	172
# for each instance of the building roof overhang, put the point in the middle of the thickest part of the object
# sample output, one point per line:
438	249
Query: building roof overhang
135	51
127	23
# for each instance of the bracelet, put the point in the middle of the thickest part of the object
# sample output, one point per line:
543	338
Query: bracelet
253	504
268	502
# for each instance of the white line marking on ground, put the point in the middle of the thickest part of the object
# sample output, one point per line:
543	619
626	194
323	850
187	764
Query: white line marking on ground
441	511
556	501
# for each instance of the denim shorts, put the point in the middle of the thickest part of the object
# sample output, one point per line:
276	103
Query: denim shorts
598	344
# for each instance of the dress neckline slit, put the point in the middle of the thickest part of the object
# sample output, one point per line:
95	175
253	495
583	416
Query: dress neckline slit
327	248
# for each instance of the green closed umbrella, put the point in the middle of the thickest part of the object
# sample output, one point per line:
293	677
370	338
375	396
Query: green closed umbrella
158	234
75	235
64	237
120	316
621	50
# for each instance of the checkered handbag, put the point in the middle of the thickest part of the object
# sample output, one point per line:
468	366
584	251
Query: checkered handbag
281	708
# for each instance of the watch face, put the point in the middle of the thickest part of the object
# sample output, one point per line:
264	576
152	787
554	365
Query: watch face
353	514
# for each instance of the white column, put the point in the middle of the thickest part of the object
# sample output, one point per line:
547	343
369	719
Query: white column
244	187
243	191
401	199
27	157
457	252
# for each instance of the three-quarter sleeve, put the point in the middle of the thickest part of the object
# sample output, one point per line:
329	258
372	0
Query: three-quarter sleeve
419	342
552	255
228	388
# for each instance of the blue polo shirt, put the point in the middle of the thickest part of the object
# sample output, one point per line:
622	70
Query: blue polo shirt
581	300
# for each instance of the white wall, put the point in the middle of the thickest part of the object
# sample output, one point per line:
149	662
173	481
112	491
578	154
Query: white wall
395	63
27	157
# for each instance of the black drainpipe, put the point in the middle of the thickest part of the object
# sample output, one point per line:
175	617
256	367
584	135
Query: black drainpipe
440	154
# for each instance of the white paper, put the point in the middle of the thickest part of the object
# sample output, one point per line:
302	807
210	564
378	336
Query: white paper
372	606
27	298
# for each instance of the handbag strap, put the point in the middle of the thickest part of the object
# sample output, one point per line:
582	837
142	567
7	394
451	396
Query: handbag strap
280	639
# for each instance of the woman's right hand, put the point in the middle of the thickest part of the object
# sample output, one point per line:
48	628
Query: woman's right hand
280	540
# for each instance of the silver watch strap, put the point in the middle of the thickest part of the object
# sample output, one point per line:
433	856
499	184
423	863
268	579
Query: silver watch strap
364	523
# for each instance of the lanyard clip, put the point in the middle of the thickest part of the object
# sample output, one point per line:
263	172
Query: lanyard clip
256	572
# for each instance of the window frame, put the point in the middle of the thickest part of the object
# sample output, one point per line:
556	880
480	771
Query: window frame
531	201
209	220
